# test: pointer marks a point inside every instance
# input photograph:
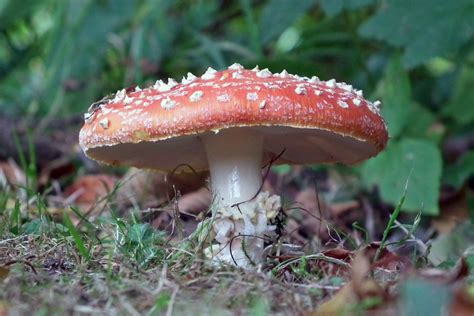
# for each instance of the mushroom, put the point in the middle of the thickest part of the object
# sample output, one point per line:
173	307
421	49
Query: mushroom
231	123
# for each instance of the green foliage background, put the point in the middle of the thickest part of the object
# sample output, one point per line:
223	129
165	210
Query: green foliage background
417	56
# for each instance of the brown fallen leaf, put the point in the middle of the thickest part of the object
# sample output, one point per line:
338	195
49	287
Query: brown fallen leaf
362	287
307	212
463	302
4	272
195	202
3	308
55	169
338	304
156	188
11	173
88	190
459	272
340	208
454	209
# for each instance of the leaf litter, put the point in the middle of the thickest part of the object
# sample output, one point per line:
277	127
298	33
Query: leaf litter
97	258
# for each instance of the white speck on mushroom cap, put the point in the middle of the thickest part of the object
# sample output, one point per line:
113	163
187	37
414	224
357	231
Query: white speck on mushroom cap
300	89
236	66
172	83
318	92
137	89
356	101
314	79
256	68
127	99
331	83
209	74
252	96
237	75
167	103
223	98
104	123
188	79
377	103
283	74
119	95
88	116
342	104
344	86
262	104
160	86
196	96
359	93
264	73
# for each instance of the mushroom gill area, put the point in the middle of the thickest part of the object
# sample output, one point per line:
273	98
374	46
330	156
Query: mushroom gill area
302	146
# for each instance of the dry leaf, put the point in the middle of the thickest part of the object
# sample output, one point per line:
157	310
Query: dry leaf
3	308
87	191
55	169
453	210
155	188
11	174
195	202
4	272
337	304
463	302
458	273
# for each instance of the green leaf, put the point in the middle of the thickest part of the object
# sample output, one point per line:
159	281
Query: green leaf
456	174
461	105
12	11
417	161
396	96
278	15
260	307
424	28
421	297
161	302
419	120
450	247
334	7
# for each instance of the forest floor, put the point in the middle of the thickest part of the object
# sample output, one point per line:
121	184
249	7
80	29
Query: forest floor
112	244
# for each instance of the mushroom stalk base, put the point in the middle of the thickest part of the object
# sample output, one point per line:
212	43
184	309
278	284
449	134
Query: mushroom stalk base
241	212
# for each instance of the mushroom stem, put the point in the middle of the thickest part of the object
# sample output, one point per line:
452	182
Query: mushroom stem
235	159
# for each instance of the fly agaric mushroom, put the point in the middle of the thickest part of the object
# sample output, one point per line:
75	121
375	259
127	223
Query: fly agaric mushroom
231	122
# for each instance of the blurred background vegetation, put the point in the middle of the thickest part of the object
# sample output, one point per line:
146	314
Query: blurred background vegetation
417	56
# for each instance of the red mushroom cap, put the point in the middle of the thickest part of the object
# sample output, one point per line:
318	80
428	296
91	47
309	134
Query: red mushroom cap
157	127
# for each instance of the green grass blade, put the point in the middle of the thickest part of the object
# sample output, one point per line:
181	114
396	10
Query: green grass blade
76	235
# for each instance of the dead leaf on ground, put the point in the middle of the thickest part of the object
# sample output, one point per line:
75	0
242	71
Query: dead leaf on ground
156	188
195	202
4	272
338	303
457	273
3	308
88	190
454	210
463	302
362	287
55	169
307	213
11	174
